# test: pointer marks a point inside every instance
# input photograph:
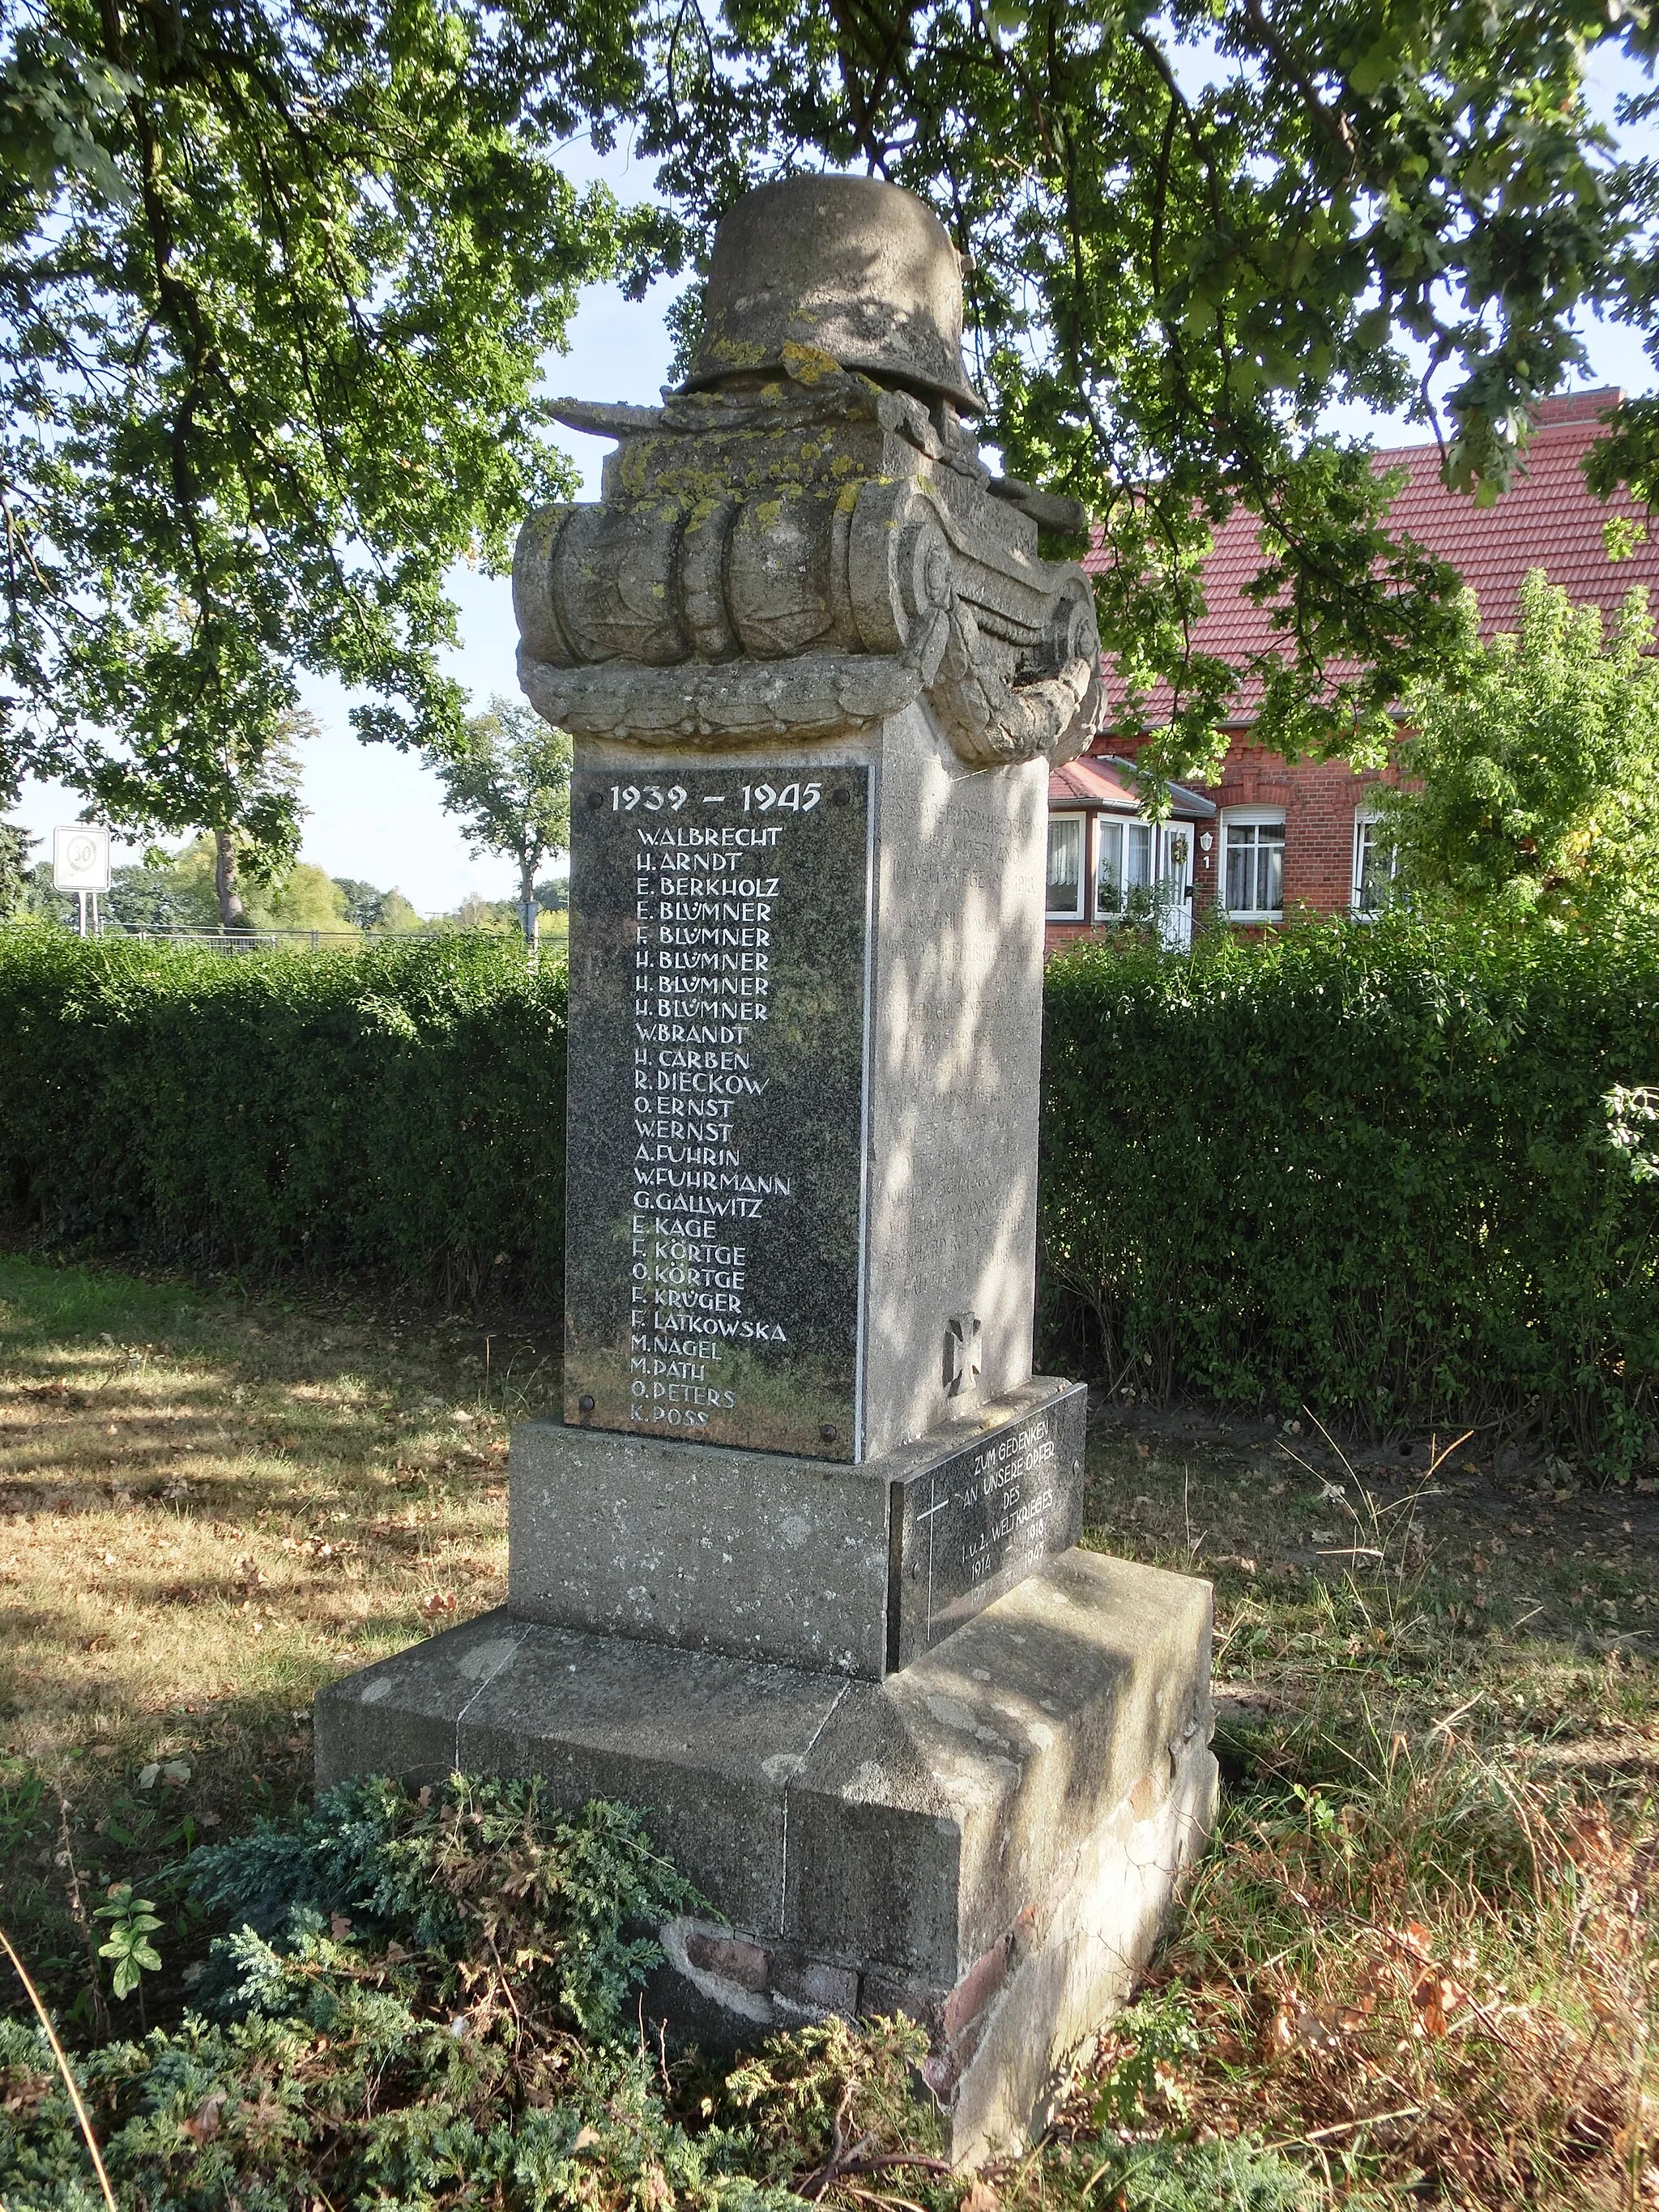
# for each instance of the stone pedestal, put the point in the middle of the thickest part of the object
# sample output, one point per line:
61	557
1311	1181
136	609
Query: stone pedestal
852	1570
986	1840
793	1566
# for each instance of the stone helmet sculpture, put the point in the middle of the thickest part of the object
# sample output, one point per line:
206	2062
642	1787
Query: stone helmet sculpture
804	541
848	267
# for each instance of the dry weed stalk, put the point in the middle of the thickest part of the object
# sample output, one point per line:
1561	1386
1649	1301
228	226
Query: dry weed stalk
1423	1960
70	2084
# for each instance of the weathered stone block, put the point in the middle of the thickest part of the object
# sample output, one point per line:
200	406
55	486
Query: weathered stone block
936	1808
853	1570
988	1840
752	1552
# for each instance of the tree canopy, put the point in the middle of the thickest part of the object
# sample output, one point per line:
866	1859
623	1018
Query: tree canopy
277	279
509	788
15	844
181	891
1191	228
367	907
1535	775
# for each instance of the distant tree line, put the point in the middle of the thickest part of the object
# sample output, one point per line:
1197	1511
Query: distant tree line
509	789
178	891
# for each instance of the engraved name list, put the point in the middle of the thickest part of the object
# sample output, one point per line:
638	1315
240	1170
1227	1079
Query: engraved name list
716	1099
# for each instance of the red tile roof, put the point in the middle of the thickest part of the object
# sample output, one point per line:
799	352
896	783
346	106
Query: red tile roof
1102	780
1547	521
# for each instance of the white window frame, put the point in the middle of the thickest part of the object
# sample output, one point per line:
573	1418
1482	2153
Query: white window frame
1367	817
1081	911
1136	826
1130	826
1252	817
1104	822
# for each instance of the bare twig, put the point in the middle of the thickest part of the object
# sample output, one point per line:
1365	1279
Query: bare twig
895	2158
1341	2127
78	1915
1446	1726
64	2068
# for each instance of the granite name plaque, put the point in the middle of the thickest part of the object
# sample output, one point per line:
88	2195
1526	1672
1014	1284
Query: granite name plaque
969	1527
715	1124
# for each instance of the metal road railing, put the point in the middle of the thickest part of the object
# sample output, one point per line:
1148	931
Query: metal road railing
255	941
245	940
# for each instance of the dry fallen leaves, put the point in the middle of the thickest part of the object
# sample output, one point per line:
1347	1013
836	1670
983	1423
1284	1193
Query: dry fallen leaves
203	2124
1434	1992
1300	2027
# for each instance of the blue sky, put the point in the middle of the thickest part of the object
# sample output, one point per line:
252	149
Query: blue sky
377	814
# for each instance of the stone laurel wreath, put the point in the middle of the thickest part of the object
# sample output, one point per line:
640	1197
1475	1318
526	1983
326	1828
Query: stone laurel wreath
803	559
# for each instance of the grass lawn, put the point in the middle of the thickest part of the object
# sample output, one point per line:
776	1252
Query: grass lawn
212	1504
1418	1963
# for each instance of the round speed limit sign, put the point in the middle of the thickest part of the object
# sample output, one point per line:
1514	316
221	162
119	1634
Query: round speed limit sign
80	859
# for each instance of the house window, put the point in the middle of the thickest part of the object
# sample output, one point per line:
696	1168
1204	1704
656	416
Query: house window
1065	872
1254	864
1140	837
1109	867
1376	864
1123	865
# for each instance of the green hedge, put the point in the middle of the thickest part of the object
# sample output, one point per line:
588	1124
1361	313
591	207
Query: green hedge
1363	1169
396	1111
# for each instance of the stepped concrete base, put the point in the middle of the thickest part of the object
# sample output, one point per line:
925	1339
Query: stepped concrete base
987	1840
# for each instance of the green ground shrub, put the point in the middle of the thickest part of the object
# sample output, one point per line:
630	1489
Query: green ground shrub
439	2015
396	1111
1363	1169
437	2000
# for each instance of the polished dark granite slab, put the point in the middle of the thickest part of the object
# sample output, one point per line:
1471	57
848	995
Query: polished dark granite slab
969	1525
714	1182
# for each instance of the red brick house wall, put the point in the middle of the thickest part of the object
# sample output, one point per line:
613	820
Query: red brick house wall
1547	520
1321	801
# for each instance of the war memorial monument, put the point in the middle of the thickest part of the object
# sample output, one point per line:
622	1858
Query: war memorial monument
794	1568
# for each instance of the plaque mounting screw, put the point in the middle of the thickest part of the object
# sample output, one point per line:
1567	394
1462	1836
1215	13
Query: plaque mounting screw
584	1405
595	800
827	1431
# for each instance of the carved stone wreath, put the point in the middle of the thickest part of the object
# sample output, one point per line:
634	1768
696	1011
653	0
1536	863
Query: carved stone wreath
800	560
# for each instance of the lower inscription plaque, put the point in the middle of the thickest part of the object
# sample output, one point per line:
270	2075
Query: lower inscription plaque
715	1117
971	1526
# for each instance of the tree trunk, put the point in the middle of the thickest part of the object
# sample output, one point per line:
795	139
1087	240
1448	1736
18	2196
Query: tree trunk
527	901
233	914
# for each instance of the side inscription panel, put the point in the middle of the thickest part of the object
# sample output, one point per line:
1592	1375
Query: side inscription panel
971	1527
719	927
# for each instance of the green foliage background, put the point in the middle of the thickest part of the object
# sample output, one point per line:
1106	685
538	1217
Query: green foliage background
359	2049
396	1111
1530	781
1364	1169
